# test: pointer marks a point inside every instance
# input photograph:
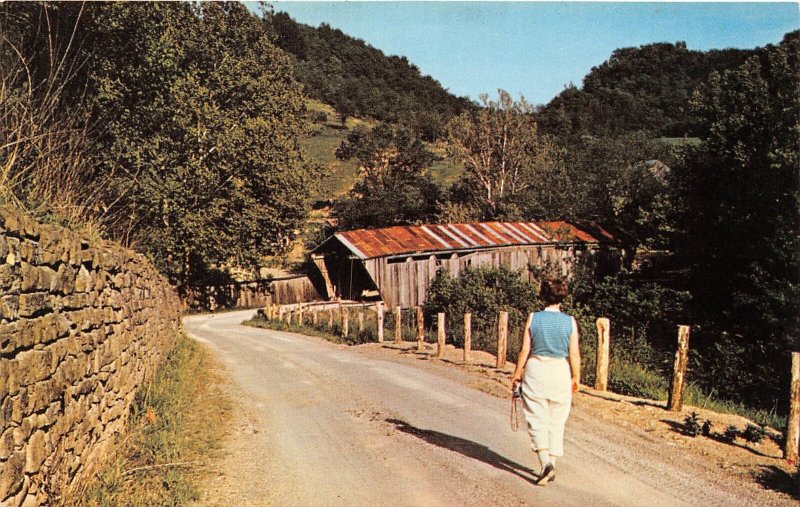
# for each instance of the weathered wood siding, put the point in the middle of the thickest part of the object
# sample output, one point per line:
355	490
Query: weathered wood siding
404	281
298	289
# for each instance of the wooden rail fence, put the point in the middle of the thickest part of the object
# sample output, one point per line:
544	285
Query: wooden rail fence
341	312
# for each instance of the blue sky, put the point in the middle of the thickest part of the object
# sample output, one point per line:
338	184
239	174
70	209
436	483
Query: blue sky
536	48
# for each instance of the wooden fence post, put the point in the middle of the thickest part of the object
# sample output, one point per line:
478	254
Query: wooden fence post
398	325
330	318
603	340
345	322
281	310
315	316
420	329
360	321
380	322
300	315
467	336
502	339
440	335
793	423
675	401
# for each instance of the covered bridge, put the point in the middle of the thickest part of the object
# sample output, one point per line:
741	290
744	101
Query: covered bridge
397	264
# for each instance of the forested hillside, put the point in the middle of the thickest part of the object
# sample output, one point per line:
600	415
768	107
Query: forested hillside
646	88
359	80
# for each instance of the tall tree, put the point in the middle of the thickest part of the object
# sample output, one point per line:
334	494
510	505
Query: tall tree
742	213
501	149
395	187
202	118
622	181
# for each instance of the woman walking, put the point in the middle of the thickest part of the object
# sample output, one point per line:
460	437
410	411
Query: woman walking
549	367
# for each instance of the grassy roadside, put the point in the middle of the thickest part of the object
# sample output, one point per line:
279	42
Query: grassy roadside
176	425
278	325
632	379
334	333
629	377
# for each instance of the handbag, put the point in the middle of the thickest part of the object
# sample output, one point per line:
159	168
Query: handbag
516	402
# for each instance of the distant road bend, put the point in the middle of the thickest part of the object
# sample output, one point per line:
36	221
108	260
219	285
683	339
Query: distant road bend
330	425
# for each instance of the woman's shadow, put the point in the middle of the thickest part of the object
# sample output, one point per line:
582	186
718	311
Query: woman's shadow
466	447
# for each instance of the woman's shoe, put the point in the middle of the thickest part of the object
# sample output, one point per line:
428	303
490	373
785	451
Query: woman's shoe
548	475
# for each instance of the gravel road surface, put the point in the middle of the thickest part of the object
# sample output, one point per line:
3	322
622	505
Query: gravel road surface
328	425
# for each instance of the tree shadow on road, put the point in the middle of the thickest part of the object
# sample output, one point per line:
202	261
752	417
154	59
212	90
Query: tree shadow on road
774	478
467	448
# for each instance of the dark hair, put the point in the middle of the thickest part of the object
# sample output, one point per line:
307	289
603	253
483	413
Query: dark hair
554	290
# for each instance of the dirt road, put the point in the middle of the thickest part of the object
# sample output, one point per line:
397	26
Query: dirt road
328	425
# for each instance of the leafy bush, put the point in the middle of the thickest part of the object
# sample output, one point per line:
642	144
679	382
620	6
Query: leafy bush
644	315
710	400
587	328
408	325
691	425
730	434
753	434
632	379
484	292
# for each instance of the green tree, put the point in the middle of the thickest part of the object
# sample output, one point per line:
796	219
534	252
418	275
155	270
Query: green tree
343	104
395	187
288	35
741	220
202	122
484	292
622	181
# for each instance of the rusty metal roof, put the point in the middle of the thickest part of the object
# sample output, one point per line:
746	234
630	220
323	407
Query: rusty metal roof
410	239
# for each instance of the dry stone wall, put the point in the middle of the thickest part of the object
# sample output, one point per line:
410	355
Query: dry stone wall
82	325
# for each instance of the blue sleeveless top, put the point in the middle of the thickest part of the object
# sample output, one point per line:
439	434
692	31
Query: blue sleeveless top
550	332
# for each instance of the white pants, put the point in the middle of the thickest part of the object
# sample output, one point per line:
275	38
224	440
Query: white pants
547	393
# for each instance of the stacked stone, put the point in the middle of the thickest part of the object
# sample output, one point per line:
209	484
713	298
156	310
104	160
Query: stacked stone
82	324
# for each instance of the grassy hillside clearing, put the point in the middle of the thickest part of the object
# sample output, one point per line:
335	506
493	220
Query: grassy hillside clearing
325	136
